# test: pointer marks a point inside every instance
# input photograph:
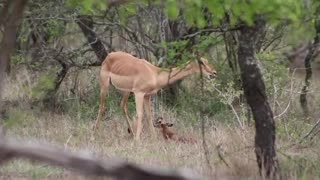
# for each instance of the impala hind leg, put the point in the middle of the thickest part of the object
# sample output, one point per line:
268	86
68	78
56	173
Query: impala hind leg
125	109
139	97
104	83
147	107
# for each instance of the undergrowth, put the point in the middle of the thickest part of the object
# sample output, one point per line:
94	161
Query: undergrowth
70	127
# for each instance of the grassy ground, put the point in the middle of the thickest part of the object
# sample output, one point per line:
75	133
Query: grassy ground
224	138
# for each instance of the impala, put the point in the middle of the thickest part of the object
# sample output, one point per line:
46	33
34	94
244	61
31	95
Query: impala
130	74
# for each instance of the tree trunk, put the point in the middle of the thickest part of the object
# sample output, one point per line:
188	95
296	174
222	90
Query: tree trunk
11	19
307	63
86	25
7	45
254	90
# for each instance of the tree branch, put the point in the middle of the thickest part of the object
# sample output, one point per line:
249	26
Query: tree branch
112	3
86	25
209	30
88	165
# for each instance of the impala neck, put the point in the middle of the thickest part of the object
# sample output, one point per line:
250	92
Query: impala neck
167	77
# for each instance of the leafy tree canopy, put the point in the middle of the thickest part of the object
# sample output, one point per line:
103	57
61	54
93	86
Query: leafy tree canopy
192	10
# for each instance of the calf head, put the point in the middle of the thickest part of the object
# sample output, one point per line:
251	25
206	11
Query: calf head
160	122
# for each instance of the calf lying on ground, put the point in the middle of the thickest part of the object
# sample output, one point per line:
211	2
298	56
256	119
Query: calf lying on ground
169	134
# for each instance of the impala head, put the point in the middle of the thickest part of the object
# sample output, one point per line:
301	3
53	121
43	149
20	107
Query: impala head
162	123
207	69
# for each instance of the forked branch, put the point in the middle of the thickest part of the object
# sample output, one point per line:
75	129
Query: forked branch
87	165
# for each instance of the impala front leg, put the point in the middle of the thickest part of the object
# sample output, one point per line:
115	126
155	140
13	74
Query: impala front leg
139	97
147	106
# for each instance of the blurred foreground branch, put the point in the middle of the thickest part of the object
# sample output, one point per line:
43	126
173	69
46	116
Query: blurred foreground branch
116	168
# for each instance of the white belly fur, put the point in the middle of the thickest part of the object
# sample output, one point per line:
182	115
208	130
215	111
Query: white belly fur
122	83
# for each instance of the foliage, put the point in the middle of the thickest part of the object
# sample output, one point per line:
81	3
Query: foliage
193	10
222	15
44	85
87	6
275	73
289	22
17	59
238	10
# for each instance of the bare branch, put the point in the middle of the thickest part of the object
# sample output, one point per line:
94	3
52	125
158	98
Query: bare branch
232	108
310	132
290	97
88	165
209	30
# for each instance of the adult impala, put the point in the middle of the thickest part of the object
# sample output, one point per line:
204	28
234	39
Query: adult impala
130	74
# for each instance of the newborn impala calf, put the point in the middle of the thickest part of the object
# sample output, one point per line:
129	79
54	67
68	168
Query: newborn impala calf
169	134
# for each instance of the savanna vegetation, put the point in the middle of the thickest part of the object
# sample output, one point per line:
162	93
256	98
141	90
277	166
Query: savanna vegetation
259	118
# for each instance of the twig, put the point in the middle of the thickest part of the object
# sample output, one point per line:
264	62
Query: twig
218	147
232	108
66	144
209	30
290	97
83	163
112	3
310	132
204	142
318	131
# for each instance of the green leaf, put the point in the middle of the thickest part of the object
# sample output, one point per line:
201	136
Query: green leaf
72	3
87	6
172	9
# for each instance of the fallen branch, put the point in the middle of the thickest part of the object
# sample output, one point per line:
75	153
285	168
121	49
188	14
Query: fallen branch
86	164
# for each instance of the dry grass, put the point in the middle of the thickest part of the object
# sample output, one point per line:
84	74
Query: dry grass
112	139
235	145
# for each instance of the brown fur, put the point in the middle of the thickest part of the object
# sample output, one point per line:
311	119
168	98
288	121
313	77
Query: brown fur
168	134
